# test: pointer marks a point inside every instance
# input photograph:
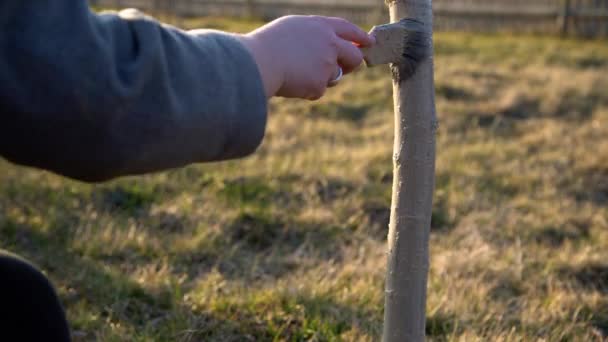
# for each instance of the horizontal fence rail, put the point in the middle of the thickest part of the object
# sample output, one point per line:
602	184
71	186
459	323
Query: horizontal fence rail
587	18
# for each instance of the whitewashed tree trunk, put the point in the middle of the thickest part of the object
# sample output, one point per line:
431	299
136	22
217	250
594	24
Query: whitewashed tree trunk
413	186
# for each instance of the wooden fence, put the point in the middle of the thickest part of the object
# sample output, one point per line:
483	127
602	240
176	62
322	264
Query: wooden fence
587	18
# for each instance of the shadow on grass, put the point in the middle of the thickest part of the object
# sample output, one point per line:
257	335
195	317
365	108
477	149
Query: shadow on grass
376	217
260	191
289	191
123	199
133	197
453	93
572	106
259	244
340	111
583	62
497	124
600	323
551	236
591	277
440	327
324	317
593	186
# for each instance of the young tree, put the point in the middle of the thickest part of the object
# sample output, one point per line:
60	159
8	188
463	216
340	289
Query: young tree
413	185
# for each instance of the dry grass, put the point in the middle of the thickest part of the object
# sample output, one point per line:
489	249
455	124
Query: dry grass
289	244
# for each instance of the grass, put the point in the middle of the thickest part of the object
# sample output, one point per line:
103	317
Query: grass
289	244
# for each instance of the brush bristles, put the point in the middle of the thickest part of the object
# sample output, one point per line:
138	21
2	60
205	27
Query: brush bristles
417	47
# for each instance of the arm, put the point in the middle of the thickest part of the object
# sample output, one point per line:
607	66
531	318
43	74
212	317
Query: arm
95	97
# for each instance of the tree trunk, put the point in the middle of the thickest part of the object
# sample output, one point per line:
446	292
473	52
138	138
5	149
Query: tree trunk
413	186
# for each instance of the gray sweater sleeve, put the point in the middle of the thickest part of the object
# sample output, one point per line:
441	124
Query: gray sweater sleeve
95	97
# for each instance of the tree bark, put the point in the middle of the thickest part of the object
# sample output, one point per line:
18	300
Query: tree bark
413	186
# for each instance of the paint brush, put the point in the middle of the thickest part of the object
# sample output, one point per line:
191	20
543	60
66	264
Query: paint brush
404	43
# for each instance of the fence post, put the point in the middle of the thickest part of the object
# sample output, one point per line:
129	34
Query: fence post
176	12
564	18
250	10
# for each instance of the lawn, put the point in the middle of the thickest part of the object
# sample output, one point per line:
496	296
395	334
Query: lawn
289	244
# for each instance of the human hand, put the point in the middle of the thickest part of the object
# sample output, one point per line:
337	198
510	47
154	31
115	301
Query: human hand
298	55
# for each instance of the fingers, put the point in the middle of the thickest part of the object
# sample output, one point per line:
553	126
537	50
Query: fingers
349	31
349	56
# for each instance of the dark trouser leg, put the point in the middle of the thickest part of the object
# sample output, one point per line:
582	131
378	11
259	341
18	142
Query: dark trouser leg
29	307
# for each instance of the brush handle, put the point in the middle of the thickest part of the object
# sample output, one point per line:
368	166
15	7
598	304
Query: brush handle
388	47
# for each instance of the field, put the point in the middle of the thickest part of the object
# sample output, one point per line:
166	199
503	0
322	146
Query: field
289	244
